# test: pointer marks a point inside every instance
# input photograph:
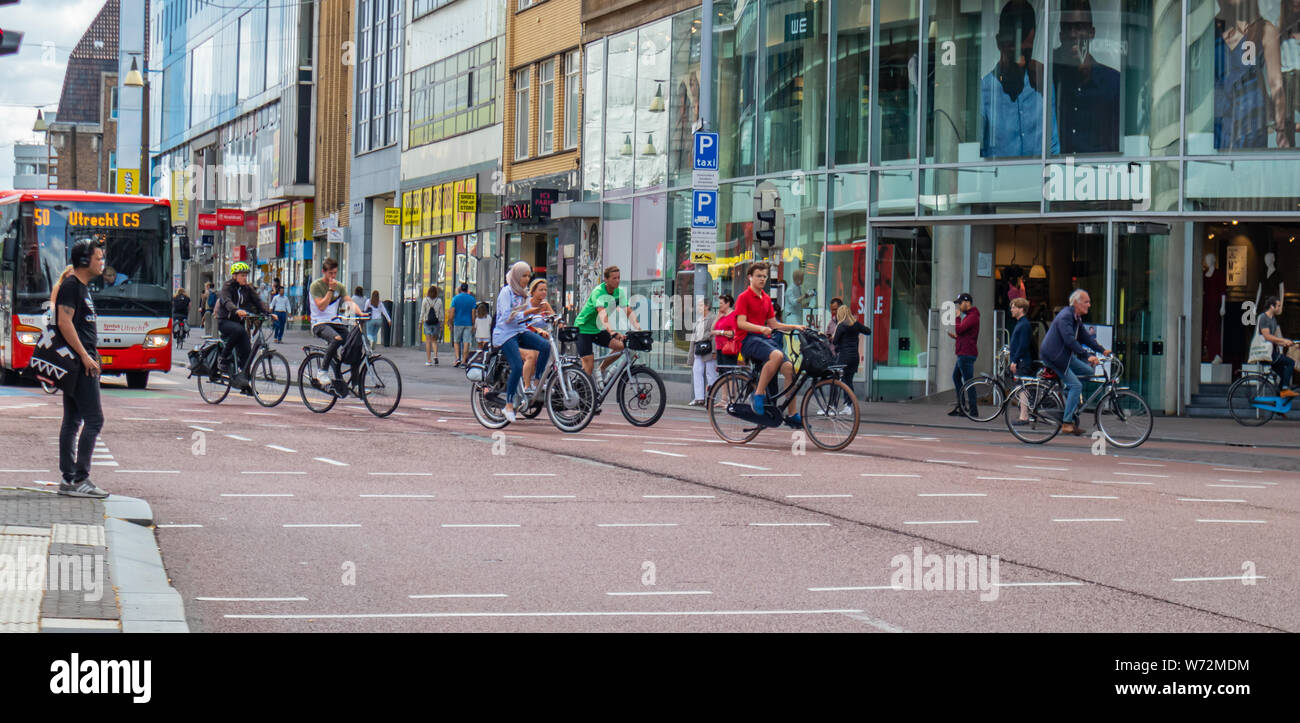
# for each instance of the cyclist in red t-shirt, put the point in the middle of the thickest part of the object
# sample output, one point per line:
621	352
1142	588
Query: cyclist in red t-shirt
755	321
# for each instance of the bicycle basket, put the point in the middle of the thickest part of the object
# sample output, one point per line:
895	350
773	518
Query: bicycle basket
816	354
567	334
639	341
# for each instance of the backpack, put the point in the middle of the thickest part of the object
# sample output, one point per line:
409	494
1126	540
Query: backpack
815	353
432	318
351	351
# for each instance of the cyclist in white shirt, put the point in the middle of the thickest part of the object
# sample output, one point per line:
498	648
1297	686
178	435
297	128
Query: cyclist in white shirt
326	293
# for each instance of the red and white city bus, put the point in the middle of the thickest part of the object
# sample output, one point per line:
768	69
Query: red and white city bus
132	297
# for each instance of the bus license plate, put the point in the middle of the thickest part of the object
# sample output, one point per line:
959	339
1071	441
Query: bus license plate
105	359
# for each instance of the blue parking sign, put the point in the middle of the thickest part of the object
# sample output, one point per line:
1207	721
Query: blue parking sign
706	151
704	209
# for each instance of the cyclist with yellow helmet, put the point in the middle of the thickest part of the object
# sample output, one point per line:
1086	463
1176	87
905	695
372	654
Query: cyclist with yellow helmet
237	299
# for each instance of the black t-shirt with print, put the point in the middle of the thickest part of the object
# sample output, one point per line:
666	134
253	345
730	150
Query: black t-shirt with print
75	294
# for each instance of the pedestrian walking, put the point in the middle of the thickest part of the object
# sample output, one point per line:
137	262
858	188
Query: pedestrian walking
378	315
432	320
483	325
462	324
704	366
848	343
279	307
75	320
1066	338
209	306
1022	364
724	331
967	335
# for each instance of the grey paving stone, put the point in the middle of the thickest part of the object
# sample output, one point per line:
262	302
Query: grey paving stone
131	509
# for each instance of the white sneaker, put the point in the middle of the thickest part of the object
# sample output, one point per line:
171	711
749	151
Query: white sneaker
510	414
428	364
323	378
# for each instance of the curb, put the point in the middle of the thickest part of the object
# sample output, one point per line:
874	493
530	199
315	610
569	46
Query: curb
146	599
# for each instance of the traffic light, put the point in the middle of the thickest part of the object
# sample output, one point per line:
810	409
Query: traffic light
769	221
10	40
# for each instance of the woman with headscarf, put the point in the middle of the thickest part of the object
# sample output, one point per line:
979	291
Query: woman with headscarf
511	331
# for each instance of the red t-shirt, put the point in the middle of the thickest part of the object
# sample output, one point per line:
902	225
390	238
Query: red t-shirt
756	308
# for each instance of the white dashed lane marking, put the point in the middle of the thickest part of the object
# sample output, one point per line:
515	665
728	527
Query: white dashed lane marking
659	451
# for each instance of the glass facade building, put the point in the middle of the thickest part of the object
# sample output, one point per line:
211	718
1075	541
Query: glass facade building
1143	150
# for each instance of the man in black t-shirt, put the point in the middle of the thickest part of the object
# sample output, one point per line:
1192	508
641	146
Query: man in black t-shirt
75	320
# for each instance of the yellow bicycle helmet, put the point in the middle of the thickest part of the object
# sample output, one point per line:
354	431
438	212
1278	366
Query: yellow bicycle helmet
239	267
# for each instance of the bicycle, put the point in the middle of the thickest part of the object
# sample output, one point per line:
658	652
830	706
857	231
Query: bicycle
988	390
268	370
732	415
563	388
641	393
1121	414
372	377
180	330
1253	398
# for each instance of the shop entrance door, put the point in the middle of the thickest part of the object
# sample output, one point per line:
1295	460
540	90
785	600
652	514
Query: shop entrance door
1142	307
899	314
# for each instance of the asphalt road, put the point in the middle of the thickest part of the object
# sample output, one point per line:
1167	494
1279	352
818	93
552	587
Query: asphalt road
280	519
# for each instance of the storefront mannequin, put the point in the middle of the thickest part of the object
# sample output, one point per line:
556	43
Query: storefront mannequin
1213	307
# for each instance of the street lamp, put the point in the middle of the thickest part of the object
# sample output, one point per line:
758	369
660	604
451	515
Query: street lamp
40	126
133	78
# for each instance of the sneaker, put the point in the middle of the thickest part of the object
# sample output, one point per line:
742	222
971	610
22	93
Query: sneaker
339	387
322	379
758	403
794	421
435	362
1289	393
84	488
510	414
956	413
242	382
428	364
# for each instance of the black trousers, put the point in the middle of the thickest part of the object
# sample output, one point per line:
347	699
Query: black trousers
81	410
236	337
333	335
850	369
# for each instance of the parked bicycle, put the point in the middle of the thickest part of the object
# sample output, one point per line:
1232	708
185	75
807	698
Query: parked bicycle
989	391
641	393
566	392
829	407
1253	399
368	375
1121	414
268	372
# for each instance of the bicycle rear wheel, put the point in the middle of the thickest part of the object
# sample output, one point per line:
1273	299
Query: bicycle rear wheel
573	414
733	387
641	396
213	391
270	378
1046	412
1241	400
830	414
314	397
1125	418
381	386
989	395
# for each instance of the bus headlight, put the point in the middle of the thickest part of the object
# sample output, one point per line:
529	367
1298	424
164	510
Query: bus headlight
157	338
27	335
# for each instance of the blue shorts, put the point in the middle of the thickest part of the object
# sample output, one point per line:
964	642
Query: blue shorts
758	348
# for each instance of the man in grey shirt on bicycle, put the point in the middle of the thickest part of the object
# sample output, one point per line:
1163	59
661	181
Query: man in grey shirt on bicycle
1282	364
1065	338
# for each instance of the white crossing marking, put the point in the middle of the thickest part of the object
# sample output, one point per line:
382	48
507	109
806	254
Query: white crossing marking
870	474
1119	482
402	496
637	524
1012	479
256	494
789	524
1248	522
811	497
1235	578
327	460
459	595
323	524
1202	499
679	497
162	526
951	494
659	451
1246	487
401	474
523	474
662	592
1089	519
942	522
282	449
482	525
773	474
259	472
1086	497
540	497
239	438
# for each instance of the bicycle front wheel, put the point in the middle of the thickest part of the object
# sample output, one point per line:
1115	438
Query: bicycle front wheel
830	414
571	413
270	377
381	386
315	397
982	399
641	396
734	387
213	391
1241	400
1125	418
1045	410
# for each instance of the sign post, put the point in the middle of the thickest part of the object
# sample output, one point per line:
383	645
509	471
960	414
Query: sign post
704	199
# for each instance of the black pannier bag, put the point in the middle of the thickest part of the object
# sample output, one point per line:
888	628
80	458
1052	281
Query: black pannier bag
815	353
353	348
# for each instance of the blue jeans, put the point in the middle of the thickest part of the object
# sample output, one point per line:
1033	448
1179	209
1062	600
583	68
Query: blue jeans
1073	378
373	328
962	372
525	340
1285	368
280	318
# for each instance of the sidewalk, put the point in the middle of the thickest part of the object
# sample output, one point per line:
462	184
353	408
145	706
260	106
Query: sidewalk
1282	433
77	565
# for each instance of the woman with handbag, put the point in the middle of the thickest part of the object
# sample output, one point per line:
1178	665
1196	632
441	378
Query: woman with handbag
704	367
432	322
848	334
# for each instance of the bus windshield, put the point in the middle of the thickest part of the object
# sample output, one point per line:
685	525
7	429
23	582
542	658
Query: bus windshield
137	244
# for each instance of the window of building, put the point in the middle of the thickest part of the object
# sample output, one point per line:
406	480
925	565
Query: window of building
420	8
521	113
378	76
572	101
112	107
546	109
525	4
454	95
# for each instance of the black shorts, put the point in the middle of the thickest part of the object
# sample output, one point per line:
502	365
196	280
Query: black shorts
586	340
